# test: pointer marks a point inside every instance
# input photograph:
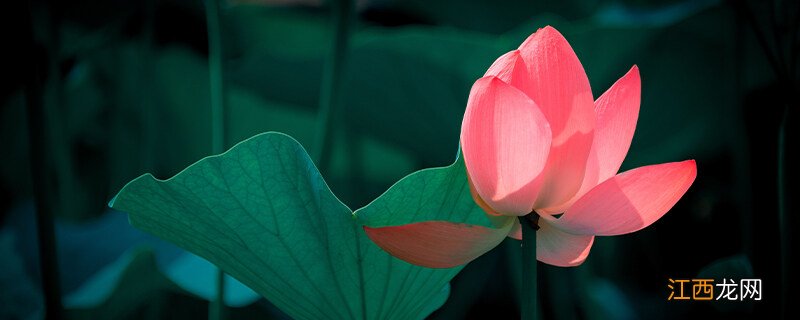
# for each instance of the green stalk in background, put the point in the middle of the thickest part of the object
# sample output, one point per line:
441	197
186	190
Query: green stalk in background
782	223
529	268
42	126
145	75
217	92
785	77
342	15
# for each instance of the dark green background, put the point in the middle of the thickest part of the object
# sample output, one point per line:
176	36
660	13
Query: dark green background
124	88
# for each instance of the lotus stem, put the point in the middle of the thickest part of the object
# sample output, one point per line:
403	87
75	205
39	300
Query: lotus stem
217	91
529	268
217	94
342	12
782	223
41	125
217	307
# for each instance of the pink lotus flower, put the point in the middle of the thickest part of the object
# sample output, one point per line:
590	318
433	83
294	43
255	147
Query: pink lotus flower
535	142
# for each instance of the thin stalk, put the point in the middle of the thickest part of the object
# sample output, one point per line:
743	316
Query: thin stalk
42	167
794	43
145	74
743	162
782	223
217	91
216	310
342	13
761	37
776	33
217	95
43	187
529	268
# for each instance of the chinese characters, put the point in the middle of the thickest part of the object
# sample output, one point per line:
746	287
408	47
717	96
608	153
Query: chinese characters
703	289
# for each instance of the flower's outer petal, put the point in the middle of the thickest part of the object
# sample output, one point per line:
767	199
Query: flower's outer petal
516	231
510	68
556	247
438	244
617	111
559	86
497	220
559	248
505	140
479	201
629	201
